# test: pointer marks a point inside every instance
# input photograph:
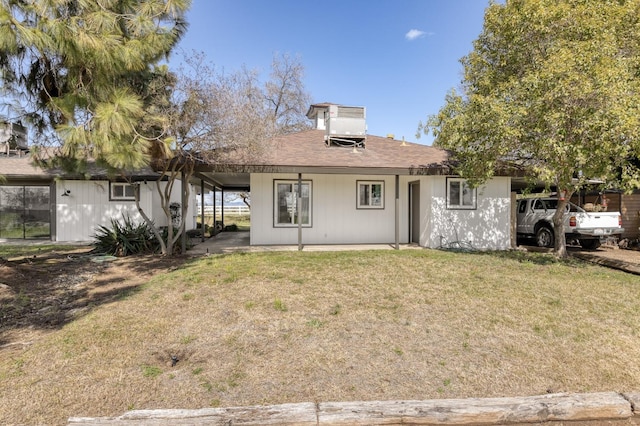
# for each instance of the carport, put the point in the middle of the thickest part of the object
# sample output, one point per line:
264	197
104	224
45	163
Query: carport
210	180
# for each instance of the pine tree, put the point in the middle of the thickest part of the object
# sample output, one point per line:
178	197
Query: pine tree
78	71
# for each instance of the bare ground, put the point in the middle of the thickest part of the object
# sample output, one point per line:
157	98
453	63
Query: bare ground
41	293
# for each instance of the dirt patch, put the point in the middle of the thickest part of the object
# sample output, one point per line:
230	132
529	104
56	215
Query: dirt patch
43	292
629	255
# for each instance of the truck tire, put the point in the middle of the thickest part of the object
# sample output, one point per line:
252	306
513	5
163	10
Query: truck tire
544	237
590	244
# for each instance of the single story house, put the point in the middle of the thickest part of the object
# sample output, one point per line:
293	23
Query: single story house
336	184
332	184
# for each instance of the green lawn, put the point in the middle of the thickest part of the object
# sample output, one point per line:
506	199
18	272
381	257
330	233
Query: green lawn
278	327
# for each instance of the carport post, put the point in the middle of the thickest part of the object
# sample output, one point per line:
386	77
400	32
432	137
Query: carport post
214	210
222	206
202	210
298	204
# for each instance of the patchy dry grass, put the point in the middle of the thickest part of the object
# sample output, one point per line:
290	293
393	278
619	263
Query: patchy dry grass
270	328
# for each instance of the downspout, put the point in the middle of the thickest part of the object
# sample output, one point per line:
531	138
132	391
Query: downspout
202	210
53	208
397	212
298	204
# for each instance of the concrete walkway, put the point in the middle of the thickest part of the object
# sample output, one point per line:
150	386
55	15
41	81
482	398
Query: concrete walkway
230	242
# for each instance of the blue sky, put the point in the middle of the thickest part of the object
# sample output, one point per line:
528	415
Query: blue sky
397	58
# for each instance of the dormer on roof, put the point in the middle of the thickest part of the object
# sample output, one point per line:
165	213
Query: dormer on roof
343	125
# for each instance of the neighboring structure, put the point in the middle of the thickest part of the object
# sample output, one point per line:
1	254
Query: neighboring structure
348	187
630	210
627	204
13	139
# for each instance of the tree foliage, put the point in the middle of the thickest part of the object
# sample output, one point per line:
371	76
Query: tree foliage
81	67
552	87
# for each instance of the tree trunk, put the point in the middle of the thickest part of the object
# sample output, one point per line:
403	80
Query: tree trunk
560	246
147	219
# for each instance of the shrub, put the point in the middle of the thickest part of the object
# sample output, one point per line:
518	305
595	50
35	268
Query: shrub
194	233
125	237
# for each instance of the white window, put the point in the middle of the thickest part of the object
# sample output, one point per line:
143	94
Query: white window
370	194
286	209
121	191
460	195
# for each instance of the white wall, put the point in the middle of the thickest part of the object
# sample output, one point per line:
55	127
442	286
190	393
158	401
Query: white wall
87	207
485	228
335	218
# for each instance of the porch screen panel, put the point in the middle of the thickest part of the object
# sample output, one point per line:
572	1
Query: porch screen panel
37	223
25	212
11	211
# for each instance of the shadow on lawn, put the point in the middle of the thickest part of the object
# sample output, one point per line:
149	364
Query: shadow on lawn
528	254
47	291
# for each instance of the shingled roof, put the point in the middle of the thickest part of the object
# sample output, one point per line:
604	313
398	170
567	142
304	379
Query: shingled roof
22	167
308	149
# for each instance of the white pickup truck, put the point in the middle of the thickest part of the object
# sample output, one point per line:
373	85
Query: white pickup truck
535	219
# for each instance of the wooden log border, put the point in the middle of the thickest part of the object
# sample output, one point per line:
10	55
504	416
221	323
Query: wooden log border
474	411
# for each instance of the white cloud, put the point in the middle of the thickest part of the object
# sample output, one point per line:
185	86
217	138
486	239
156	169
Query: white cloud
414	34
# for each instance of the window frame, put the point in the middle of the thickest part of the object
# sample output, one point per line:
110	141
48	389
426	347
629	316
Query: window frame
460	202
124	186
370	184
294	183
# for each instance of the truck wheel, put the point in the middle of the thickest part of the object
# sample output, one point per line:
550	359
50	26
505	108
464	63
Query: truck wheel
590	244
544	237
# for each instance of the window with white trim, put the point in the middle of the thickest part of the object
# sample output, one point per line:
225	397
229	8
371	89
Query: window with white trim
460	195
286	210
370	194
119	191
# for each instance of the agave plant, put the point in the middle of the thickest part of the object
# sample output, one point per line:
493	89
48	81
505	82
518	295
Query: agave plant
125	237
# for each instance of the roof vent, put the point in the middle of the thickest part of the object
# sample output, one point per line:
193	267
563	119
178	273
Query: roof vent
345	125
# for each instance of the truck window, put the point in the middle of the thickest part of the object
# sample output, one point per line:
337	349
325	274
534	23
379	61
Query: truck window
522	206
538	205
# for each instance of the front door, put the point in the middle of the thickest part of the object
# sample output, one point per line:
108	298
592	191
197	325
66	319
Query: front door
414	212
